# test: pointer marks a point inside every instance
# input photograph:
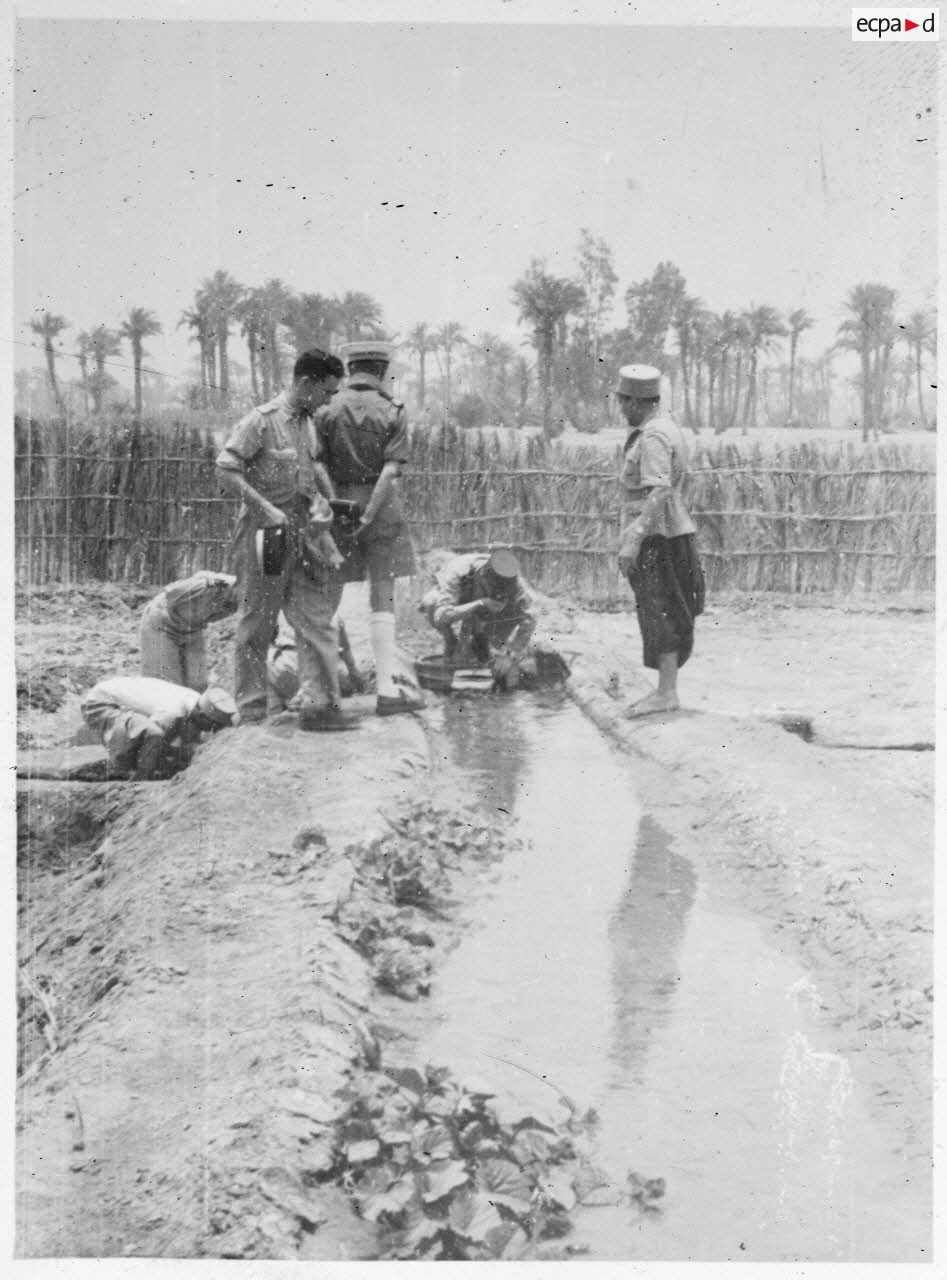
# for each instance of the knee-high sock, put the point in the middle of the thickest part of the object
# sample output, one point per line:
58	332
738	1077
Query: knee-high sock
381	630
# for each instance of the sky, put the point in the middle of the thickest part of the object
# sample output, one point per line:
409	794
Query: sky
427	163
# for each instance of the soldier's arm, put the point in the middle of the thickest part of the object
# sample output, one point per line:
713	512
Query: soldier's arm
396	453
244	443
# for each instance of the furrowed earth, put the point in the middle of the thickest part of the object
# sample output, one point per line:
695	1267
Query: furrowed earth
207	967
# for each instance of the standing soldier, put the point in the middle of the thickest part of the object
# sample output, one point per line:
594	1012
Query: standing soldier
657	550
269	462
362	448
173	639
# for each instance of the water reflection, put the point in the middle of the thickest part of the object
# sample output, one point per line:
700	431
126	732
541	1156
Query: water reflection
646	935
485	739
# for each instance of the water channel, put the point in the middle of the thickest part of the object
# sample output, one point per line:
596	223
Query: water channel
598	964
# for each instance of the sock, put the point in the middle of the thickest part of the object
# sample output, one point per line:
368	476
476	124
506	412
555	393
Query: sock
381	630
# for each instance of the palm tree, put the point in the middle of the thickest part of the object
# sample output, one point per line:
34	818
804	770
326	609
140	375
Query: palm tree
544	301
199	319
312	319
49	327
360	317
83	352
917	334
684	321
104	342
799	320
276	303
221	294
449	336
869	331
422	342
139	325
764	325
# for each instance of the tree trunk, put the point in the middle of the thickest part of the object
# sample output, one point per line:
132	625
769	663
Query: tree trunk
866	391
222	337
547	340
51	371
792	376
252	352
136	361
922	416
422	388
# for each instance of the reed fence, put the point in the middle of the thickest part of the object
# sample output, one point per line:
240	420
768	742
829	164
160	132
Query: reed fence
137	504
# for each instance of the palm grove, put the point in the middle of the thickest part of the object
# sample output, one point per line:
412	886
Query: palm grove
726	369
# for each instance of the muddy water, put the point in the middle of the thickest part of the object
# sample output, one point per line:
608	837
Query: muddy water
598	966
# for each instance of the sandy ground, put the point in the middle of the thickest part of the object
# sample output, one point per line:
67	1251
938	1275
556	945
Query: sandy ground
829	840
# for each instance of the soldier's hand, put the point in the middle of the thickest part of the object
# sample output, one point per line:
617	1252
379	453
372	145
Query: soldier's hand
492	605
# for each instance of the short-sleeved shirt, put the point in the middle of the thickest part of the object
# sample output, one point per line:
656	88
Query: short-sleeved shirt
167	704
657	457
187	606
460	582
274	447
360	430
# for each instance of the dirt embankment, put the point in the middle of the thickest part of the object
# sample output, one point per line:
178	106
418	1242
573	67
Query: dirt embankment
200	984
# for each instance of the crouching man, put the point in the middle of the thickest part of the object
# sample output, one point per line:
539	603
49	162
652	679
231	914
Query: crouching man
483	596
151	727
173	639
282	668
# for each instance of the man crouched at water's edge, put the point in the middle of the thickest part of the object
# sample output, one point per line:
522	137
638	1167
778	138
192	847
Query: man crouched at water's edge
485	594
151	727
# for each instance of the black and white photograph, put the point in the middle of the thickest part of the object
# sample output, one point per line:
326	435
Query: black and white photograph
472	601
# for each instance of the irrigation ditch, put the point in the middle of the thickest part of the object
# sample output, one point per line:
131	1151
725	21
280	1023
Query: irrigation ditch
474	990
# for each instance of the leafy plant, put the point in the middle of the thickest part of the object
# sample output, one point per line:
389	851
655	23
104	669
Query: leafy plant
448	1174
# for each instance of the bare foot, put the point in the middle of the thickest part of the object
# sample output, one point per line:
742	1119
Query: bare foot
653	704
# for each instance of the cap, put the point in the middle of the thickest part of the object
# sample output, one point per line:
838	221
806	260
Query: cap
372	349
217	705
503	564
641	381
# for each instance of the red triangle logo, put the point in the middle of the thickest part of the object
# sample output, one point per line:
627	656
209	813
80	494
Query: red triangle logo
909	25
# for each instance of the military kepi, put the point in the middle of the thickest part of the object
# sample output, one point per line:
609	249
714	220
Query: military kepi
640	381
367	350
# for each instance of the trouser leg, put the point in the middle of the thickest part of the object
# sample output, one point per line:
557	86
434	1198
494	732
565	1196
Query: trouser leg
310	610
260	599
161	654
124	734
194	654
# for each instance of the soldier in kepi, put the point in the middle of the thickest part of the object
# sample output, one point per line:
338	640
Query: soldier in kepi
269	461
363	446
657	549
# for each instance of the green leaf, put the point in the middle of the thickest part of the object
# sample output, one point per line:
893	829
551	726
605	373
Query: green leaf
505	1184
394	1137
516	1247
421	1234
362	1152
557	1188
435	1143
472	1216
530	1145
512	1115
407	1078
392	1201
442	1177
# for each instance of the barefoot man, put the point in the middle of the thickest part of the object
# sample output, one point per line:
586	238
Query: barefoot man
657	550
